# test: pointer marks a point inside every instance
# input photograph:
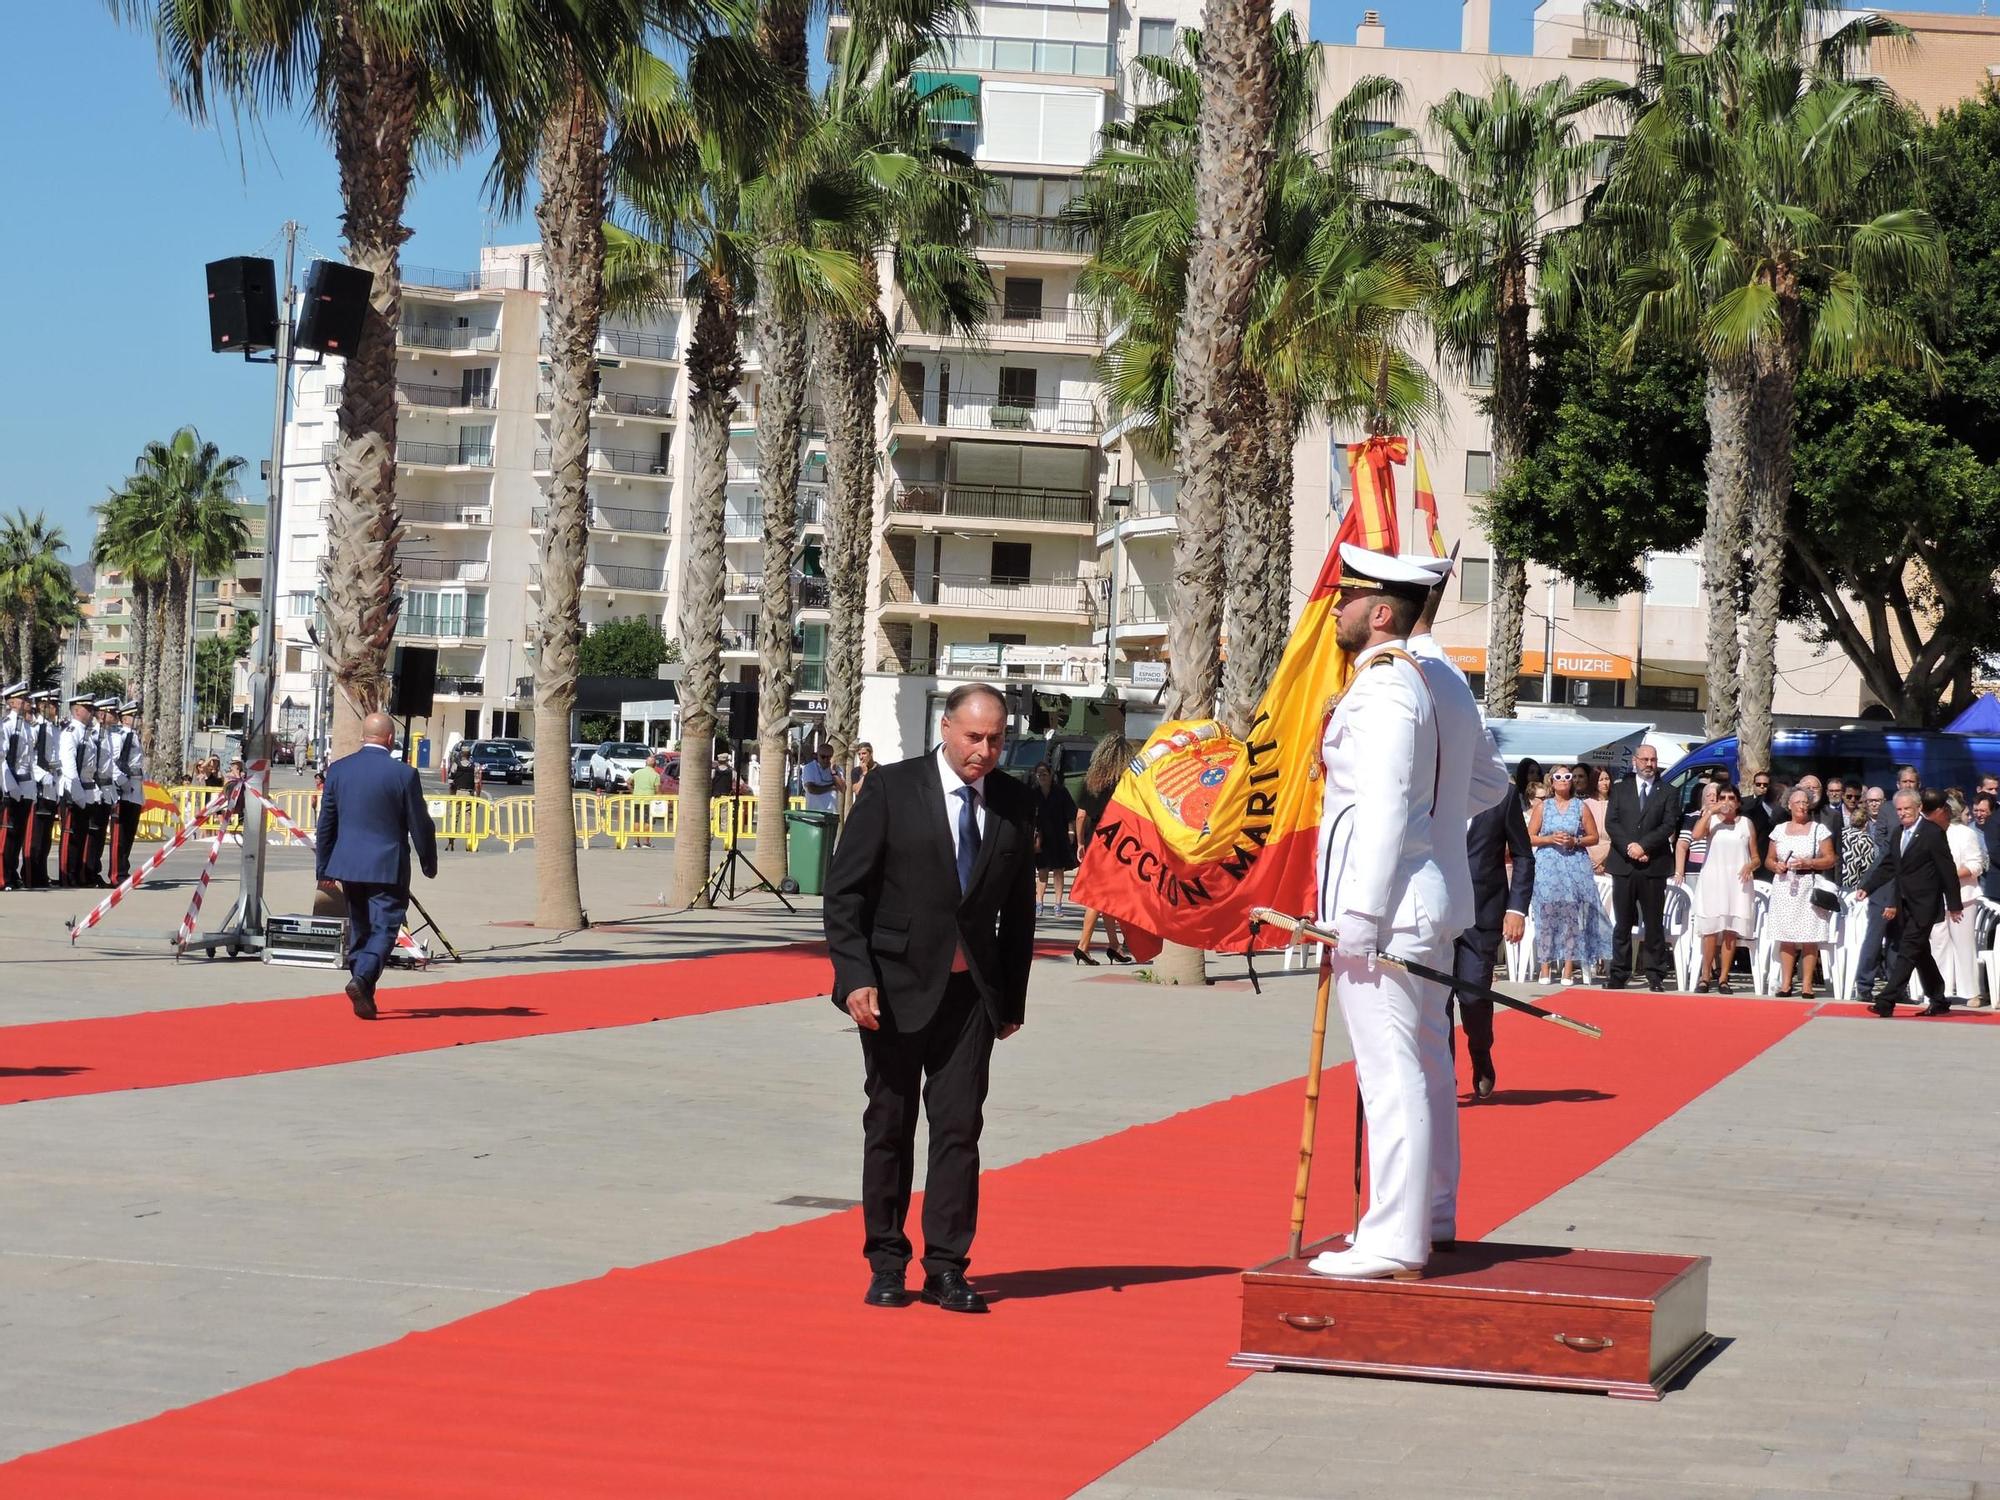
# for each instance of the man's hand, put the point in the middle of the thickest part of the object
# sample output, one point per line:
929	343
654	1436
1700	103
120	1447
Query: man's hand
1857	896
1358	935
866	1008
1513	927
1959	915
1005	1031
430	871
331	887
1888	913
1636	851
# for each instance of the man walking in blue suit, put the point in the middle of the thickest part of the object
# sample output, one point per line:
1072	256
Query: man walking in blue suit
371	811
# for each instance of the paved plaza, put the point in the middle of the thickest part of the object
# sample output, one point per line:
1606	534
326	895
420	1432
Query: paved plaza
168	1245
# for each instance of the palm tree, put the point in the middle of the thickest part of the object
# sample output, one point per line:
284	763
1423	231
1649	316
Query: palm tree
128	541
1345	272
1773	210
1513	163
36	591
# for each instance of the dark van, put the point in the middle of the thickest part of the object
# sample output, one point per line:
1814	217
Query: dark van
1864	755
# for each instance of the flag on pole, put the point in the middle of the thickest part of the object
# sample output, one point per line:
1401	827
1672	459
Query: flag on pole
1203	826
1426	501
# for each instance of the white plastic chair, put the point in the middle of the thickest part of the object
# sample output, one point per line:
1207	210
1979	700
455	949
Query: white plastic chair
1521	955
1687	942
1989	953
1853	938
1763	951
1676	922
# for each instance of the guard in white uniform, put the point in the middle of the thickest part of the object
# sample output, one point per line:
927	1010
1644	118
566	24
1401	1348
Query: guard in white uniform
77	791
1393	820
130	767
47	775
17	785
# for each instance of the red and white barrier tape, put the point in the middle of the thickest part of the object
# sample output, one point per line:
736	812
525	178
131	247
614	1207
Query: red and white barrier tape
188	923
159	857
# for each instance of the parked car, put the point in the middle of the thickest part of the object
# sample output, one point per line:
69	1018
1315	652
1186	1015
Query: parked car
579	764
498	760
523	748
1067	754
612	765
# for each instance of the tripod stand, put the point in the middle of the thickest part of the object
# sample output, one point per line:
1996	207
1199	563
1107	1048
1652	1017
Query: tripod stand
727	869
431	926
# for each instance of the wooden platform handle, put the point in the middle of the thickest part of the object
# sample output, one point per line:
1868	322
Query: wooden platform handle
1582	1341
1311	1322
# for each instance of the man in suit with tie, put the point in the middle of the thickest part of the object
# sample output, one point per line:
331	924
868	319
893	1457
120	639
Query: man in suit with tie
1923	881
1643	819
930	915
1501	897
371	810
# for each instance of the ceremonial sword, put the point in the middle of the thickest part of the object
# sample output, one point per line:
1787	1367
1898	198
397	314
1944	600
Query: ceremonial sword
1468	989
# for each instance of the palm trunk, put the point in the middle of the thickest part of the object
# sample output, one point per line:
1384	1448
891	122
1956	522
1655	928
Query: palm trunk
715	365
1508	611
1727	400
780	432
1769	469
142	643
149	668
847	378
1214	389
571	217
1258	565
374	124
24	641
171	750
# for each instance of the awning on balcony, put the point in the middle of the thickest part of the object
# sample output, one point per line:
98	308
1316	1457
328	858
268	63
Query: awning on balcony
963	111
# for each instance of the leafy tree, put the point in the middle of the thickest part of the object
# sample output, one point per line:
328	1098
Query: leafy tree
36	592
215	661
625	648
103	683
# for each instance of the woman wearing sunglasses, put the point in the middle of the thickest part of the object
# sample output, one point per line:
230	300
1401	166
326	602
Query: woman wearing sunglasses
1561	829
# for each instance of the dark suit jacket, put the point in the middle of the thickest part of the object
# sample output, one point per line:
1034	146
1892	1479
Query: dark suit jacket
371	811
1886	832
1653	830
1489	838
1922	882
894	916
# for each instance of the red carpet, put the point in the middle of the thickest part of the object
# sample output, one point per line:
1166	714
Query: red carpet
153	1049
752	1368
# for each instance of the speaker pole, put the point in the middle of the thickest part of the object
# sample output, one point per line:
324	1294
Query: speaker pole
249	915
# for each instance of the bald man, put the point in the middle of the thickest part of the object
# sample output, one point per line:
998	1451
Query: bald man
371	811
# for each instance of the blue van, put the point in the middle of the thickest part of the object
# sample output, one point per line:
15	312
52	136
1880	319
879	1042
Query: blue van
1865	755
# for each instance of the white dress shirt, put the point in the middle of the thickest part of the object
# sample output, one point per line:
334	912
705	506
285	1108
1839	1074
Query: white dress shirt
951	781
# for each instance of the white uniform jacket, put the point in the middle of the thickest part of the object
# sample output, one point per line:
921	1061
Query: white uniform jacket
107	767
1377	856
48	760
79	765
1473	777
131	764
17	780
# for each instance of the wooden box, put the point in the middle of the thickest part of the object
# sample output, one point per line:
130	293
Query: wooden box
1539	1315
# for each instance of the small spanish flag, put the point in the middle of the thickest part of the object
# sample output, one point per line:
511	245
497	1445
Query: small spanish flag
158	799
1425	499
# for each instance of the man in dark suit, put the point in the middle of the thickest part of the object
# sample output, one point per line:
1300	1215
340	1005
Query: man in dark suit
371	810
930	915
1500	903
1643	819
1923	881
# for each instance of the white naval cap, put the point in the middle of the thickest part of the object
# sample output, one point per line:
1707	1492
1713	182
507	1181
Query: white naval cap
14	690
1361	568
1436	569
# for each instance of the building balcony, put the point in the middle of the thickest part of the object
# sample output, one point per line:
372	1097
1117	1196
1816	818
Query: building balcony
620	343
415	455
810	593
461	687
418	512
612	518
1075	328
1142	604
1072	664
1054	418
445	628
988	54
739	644
486	279
1151	512
443	397
933	507
744	525
975	595
444	569
617	578
448	340
617	404
638	462
1011	236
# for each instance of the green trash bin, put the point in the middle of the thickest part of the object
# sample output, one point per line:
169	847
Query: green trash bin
809	848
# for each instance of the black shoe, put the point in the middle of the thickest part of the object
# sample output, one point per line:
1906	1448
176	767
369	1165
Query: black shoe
950	1291
1702	986
1119	956
1615	983
1936	1008
362	1001
886	1289
1482	1075
1883	1007
1657	986
1083	958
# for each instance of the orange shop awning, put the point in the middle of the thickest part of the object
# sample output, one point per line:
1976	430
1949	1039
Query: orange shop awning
1600	665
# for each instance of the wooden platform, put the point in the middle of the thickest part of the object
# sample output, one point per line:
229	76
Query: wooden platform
1537	1315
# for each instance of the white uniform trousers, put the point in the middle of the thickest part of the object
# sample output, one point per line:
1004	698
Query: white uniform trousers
1400	1029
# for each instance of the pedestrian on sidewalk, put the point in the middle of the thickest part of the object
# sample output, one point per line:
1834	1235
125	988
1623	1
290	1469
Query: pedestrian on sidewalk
646	787
1055	821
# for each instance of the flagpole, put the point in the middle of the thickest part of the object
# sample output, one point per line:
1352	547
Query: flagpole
1314	1058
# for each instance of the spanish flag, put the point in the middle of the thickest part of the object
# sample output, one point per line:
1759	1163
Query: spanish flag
1203	826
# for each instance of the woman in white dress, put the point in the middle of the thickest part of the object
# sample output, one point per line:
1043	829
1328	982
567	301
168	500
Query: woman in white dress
1801	851
1955	945
1725	904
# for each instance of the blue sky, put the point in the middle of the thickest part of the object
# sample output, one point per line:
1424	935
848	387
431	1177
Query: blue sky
117	202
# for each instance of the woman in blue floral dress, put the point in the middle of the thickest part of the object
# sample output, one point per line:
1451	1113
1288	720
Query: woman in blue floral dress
1567	929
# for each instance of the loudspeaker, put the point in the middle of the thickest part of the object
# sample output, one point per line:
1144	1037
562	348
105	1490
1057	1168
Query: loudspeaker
242	305
336	302
742	711
416	682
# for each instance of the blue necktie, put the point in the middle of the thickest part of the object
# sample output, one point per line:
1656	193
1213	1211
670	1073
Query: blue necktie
968	837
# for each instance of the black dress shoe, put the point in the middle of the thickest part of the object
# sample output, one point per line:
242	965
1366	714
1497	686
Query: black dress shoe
1657	986
1936	1008
886	1289
1482	1075
1615	984
952	1292
1883	1007
360	999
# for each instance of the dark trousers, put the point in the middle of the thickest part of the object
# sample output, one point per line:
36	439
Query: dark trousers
1874	943
95	830
14	842
374	917
1913	954
69	854
1472	960
1646	897
124	832
41	828
947	1062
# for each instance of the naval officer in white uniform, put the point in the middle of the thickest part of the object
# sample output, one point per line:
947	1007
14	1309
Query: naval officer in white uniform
1397	796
